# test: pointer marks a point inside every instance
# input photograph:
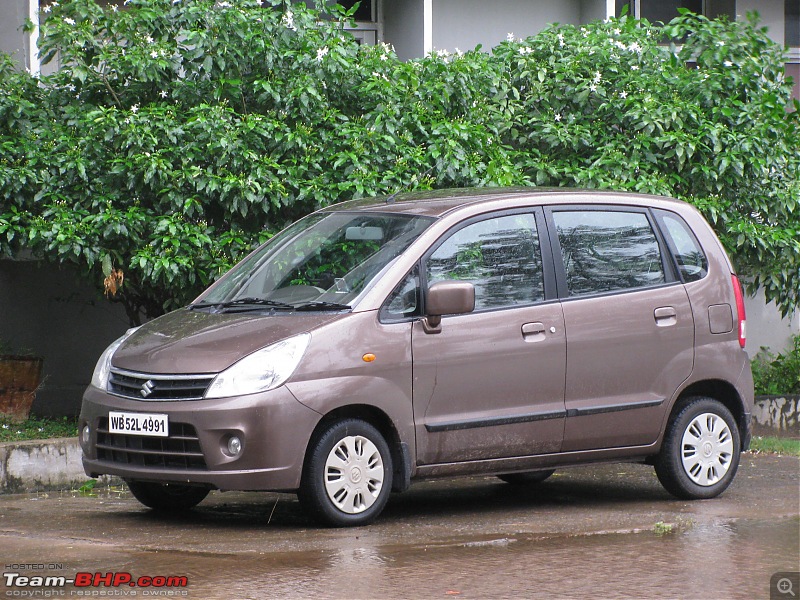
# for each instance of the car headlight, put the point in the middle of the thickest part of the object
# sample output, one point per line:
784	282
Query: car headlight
101	369
262	370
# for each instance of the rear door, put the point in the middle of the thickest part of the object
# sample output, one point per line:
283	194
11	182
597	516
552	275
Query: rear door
491	383
630	330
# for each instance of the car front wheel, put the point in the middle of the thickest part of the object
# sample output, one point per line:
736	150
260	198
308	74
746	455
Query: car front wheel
700	453
347	478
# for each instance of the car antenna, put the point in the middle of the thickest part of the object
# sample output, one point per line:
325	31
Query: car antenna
390	199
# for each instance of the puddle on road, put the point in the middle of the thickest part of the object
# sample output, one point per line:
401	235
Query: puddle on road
732	559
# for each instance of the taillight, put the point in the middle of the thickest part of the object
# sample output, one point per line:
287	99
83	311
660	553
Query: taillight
737	290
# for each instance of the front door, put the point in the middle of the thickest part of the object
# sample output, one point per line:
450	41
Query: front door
491	383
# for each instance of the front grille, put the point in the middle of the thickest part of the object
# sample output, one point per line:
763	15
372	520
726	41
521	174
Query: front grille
181	450
145	386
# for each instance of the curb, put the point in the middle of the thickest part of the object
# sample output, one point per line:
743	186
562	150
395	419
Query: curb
40	465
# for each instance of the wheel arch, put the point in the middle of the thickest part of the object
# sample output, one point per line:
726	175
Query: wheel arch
401	455
723	392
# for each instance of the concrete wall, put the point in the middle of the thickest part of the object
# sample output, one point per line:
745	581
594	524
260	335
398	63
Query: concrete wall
454	21
770	15
53	313
12	39
766	327
403	27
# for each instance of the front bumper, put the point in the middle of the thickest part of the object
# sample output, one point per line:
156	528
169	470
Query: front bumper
273	426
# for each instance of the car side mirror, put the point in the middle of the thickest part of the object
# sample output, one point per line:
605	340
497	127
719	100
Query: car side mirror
447	298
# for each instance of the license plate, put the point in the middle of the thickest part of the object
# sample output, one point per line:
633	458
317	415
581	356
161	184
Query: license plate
138	424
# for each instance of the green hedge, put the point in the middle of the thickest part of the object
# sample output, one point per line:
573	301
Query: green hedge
177	135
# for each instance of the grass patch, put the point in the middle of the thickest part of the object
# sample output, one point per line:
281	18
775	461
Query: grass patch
775	445
37	429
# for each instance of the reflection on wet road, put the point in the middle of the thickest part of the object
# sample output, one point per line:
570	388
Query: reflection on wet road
600	532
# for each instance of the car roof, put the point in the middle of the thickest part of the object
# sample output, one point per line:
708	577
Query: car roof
436	203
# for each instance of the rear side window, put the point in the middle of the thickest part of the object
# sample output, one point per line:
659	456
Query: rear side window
500	256
606	251
691	260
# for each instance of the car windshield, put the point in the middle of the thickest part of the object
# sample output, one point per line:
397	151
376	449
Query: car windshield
322	262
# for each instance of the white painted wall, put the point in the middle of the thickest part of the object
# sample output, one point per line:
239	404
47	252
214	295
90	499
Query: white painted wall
403	27
464	24
765	327
770	15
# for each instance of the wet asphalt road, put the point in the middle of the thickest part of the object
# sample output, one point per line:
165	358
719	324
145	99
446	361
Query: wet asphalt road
607	531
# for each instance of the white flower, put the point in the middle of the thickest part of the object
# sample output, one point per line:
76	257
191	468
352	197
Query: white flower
149	40
46	9
135	108
623	94
5	426
728	63
154	54
560	37
224	5
525	50
384	57
634	67
510	36
164	93
617	31
593	88
635	47
557	116
69	21
597	77
720	43
322	53
620	45
114	8
288	20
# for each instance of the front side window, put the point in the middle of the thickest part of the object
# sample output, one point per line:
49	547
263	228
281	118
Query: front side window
500	256
606	251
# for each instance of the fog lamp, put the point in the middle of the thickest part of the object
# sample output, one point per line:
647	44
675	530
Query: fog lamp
234	446
86	434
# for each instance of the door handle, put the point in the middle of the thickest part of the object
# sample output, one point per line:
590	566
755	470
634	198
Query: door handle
665	316
533	332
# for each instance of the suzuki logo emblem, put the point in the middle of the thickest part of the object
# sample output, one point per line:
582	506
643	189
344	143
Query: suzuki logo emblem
147	388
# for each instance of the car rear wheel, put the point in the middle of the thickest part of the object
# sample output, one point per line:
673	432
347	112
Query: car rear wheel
167	497
700	453
347	477
530	478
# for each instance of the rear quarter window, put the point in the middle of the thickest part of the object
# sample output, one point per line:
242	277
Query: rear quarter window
689	256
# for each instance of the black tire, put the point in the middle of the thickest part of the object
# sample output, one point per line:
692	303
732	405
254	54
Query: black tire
167	497
347	477
701	450
530	478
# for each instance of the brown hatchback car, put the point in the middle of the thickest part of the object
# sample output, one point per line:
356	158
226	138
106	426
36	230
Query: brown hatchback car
377	342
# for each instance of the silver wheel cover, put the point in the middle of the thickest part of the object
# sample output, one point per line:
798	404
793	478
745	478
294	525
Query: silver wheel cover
707	449
354	474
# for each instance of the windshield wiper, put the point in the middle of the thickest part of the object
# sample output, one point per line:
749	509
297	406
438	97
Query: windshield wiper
244	304
321	305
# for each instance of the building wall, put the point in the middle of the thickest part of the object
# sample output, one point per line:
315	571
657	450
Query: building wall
766	328
13	14
454	21
50	311
403	27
